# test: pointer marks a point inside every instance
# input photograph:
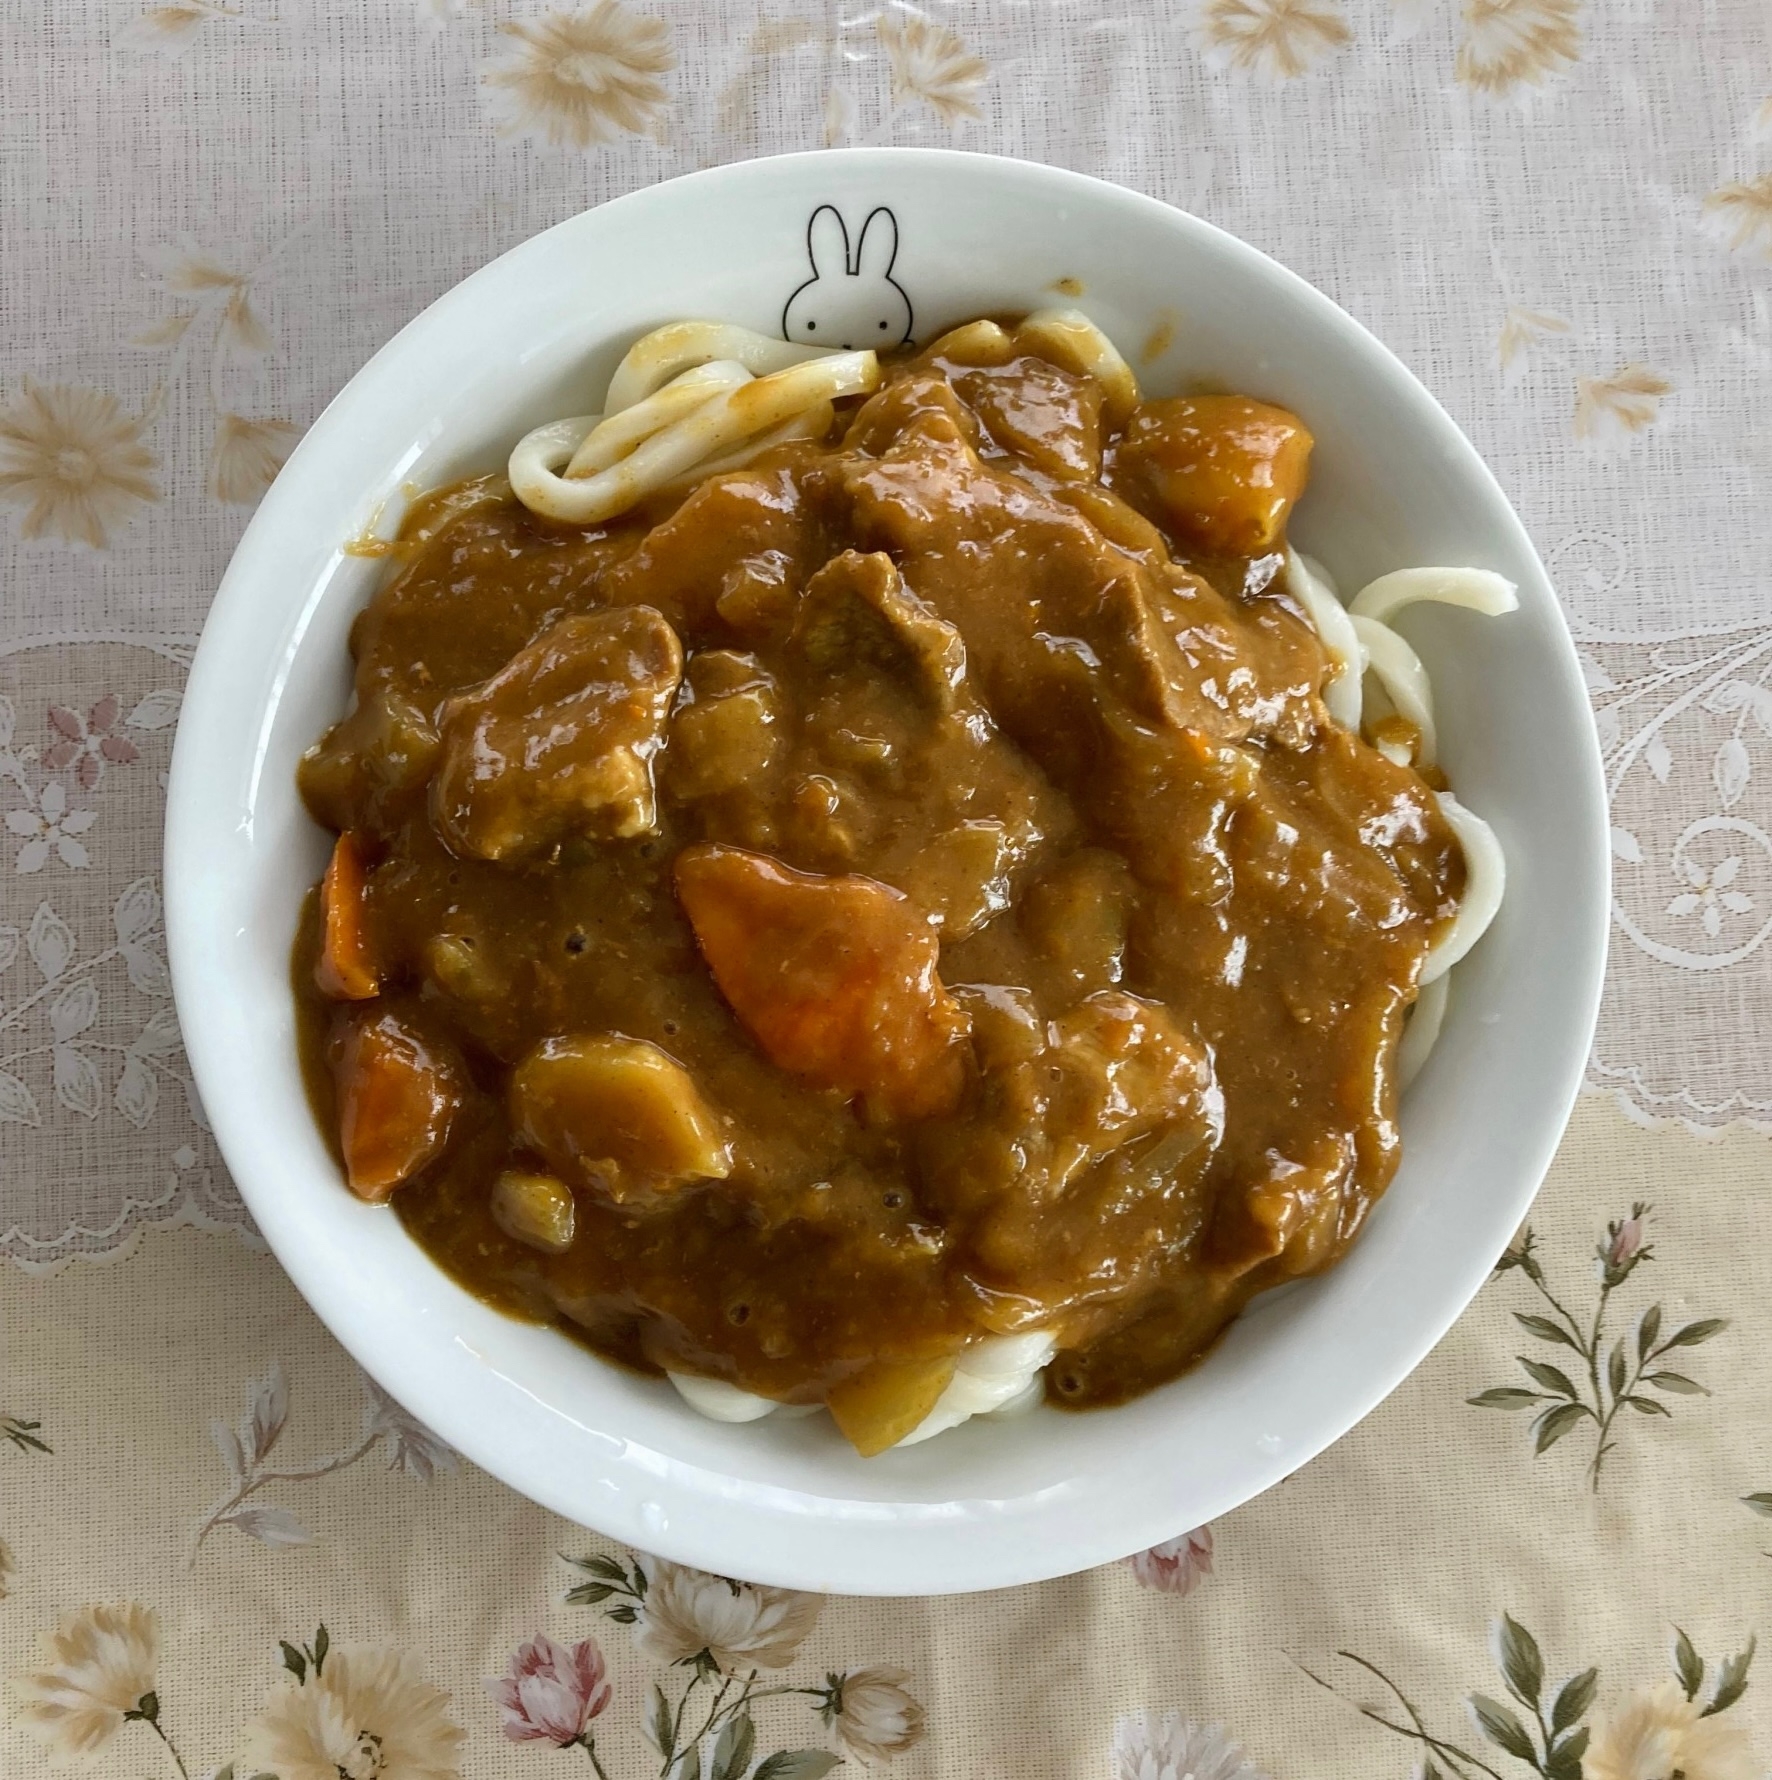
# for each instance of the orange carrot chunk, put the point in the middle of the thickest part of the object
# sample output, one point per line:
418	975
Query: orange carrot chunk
398	1094
833	976
345	969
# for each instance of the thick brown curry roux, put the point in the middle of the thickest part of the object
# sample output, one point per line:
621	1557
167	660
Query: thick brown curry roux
1032	672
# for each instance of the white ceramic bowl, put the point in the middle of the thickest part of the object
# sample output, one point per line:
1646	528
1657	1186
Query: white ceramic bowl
1394	484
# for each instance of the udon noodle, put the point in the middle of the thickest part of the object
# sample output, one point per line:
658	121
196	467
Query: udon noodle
695	399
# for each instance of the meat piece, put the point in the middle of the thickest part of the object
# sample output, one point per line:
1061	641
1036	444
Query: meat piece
370	764
1082	1126
734	550
559	742
346	968
726	729
1048	417
1220	471
857	618
833	976
398	1093
618	1114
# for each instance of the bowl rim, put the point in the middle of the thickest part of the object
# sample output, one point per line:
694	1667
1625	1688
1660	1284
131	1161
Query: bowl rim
798	1561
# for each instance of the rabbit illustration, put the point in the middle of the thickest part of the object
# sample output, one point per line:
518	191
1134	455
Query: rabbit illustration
845	303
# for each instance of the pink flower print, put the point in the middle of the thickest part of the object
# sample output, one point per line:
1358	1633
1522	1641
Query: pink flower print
1177	1566
1627	1239
551	1693
89	740
51	827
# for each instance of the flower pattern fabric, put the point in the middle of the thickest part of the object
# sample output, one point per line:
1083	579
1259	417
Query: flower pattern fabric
222	207
579	78
74	460
98	1672
368	1715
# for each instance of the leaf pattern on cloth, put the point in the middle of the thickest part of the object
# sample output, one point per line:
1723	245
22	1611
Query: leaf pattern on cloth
1741	214
1635	1373
1611	409
245	1449
1521	330
1658	1732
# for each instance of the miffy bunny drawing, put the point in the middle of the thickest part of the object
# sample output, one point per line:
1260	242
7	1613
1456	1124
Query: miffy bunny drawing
849	303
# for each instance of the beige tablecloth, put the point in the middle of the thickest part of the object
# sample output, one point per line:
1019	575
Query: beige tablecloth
1542	1555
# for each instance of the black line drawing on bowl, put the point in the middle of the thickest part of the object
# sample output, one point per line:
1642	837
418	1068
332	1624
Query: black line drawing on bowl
851	302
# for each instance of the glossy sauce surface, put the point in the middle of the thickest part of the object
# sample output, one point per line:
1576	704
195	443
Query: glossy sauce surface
906	890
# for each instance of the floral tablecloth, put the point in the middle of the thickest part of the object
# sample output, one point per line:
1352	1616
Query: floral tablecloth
224	1552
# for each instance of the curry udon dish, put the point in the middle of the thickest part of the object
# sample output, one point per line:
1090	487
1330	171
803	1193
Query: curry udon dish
884	884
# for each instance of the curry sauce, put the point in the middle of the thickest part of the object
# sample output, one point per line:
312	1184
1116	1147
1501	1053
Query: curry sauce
905	890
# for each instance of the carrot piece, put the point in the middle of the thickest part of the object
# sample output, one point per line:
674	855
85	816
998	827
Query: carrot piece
398	1095
345	969
833	976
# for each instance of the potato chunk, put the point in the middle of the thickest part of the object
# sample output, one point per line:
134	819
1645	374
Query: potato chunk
536	1209
887	1400
833	976
618	1114
1222	471
398	1094
560	741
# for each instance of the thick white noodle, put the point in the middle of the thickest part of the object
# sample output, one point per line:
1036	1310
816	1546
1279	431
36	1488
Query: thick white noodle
982	340
667	352
1478	590
1070	339
720	1401
1485	880
613	438
542	454
813	424
1423	1031
1399	671
992	1376
1336	630
718	424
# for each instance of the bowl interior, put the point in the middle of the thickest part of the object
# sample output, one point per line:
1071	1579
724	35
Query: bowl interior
533	336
